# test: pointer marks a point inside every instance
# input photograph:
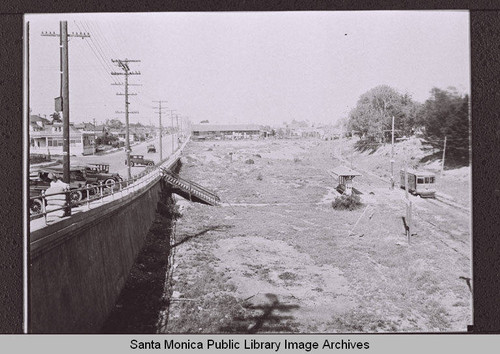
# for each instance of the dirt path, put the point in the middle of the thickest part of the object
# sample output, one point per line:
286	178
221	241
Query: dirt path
279	258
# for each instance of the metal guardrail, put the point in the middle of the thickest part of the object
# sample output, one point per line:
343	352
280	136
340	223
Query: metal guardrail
94	195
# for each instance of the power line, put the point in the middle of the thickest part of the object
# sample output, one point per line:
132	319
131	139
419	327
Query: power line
123	64
159	115
108	68
103	66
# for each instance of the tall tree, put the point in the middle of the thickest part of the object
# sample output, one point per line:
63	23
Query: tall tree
374	111
56	118
446	114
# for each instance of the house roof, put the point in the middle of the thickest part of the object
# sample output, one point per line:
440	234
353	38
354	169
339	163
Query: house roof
48	132
225	127
35	118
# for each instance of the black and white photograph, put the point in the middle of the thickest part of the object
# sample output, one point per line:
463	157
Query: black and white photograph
248	172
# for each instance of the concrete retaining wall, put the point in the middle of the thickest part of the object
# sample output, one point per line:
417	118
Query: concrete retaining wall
79	266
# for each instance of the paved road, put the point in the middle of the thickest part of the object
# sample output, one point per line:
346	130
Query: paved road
116	160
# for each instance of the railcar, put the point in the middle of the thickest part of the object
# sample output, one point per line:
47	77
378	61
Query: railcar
420	183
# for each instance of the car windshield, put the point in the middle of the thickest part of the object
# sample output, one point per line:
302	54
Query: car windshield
76	175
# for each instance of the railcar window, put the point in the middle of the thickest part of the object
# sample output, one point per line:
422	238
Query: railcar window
427	180
432	179
420	180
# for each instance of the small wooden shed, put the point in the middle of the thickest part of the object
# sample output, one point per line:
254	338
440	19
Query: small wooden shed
345	177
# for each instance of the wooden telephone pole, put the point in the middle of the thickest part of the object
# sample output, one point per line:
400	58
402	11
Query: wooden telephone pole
409	206
159	112
392	155
172	125
123	64
442	162
64	96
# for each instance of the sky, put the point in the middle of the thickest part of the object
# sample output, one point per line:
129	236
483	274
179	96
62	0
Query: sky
246	67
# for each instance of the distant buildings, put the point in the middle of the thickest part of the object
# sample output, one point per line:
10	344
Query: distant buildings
225	131
46	135
47	138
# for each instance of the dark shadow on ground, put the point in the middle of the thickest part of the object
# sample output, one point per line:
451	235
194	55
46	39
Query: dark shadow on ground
201	233
451	162
268	317
367	145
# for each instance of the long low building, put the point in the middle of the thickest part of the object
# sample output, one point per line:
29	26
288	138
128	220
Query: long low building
225	131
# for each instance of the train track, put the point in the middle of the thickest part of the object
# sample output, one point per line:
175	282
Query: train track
443	200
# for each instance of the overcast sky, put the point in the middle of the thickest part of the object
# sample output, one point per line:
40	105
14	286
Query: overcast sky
255	67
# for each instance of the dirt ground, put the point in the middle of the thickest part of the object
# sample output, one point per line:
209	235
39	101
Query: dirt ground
276	257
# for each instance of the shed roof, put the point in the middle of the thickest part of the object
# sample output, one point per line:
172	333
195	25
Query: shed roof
344	171
224	127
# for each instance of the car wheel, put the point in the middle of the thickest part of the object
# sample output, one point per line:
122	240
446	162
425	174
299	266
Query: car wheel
36	207
109	183
76	196
92	189
132	163
151	163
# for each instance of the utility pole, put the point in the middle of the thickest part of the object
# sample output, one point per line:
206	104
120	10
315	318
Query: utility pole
95	145
341	141
442	162
409	217
159	112
172	119
392	155
123	64
64	96
177	129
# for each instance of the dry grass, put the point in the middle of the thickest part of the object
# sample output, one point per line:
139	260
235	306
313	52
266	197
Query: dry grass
285	239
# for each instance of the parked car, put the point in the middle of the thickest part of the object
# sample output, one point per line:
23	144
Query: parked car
151	148
139	160
97	173
39	181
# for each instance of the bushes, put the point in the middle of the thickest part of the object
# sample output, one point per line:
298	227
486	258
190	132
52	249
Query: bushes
347	202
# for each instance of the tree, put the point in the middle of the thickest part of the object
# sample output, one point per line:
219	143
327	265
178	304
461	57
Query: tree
55	118
446	114
114	123
204	121
374	111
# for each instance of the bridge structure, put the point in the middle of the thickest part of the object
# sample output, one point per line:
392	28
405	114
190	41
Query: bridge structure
78	265
189	189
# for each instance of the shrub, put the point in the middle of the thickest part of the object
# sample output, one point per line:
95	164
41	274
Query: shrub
259	177
347	202
296	159
250	161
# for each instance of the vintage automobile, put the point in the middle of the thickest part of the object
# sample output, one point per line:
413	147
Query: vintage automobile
151	148
39	181
99	173
139	160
